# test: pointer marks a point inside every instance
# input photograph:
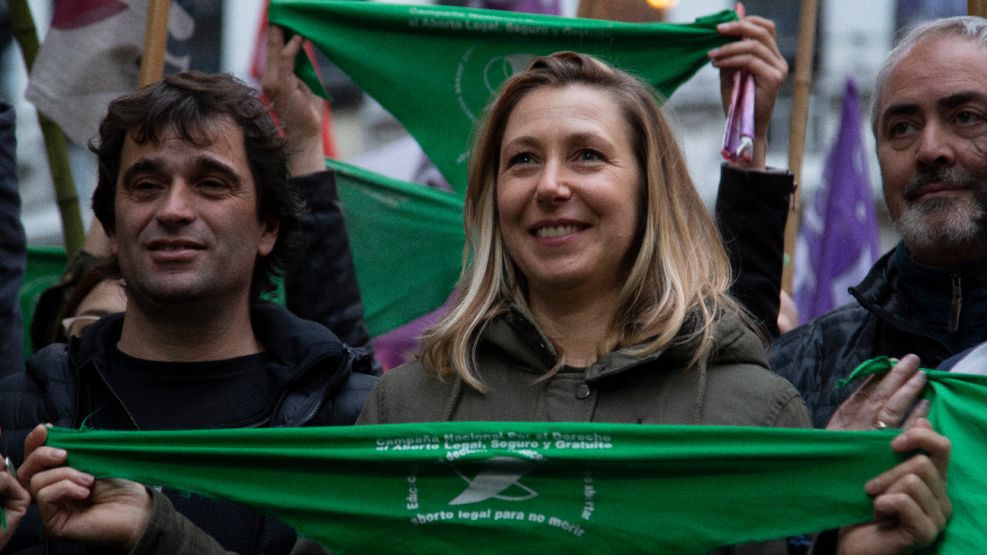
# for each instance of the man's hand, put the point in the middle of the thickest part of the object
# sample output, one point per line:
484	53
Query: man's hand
297	107
883	401
757	53
75	506
13	501
911	507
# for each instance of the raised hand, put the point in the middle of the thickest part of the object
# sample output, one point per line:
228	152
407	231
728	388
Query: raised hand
757	53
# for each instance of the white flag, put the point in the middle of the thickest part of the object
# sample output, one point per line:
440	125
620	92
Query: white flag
91	55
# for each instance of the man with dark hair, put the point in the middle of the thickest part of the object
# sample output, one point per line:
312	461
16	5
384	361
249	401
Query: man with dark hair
927	296
195	197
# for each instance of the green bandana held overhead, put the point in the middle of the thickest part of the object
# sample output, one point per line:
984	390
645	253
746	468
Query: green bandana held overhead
435	68
542	487
957	412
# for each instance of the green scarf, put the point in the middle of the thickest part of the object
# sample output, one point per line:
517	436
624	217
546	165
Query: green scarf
435	68
532	487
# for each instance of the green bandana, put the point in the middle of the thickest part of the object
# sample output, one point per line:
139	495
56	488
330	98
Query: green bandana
401	229
535	487
435	68
958	403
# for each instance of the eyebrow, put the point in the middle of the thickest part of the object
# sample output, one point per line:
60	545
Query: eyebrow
961	98
951	101
201	165
141	166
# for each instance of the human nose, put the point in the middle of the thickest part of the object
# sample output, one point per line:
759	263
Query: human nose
935	148
178	205
553	183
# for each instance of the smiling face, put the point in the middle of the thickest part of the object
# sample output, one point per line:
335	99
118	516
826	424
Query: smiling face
932	146
187	224
568	190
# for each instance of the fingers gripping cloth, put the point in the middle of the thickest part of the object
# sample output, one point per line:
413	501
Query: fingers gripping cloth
956	411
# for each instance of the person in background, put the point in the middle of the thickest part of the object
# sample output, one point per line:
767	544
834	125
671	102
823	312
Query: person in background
927	296
12	248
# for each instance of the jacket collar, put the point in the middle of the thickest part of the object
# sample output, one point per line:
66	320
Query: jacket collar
294	344
895	278
520	340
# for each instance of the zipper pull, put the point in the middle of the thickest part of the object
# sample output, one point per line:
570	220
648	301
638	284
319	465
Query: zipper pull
956	305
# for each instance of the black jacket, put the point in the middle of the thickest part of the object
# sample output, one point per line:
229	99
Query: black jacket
324	288
889	317
751	211
321	382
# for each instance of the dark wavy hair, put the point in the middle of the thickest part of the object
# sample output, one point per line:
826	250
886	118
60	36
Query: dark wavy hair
187	102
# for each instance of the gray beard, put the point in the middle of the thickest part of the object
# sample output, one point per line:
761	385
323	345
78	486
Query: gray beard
940	224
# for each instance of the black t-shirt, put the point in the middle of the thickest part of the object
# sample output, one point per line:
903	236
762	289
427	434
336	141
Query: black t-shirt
232	393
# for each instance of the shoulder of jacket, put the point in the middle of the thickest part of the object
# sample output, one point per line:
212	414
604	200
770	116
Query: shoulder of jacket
837	323
737	343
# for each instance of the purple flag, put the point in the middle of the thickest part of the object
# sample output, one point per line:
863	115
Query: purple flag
838	241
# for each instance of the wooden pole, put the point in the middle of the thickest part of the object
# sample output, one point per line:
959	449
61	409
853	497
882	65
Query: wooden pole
977	7
26	35
155	42
800	117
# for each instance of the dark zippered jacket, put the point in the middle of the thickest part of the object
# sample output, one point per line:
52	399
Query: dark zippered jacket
321	381
893	316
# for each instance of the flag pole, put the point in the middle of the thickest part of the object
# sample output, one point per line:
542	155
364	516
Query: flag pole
800	116
155	41
26	35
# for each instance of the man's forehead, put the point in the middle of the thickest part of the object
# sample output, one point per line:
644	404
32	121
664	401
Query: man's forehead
937	71
215	138
197	133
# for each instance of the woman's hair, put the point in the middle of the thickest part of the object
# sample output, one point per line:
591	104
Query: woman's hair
676	287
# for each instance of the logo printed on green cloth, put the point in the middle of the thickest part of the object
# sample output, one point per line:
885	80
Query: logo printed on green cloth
498	475
495	486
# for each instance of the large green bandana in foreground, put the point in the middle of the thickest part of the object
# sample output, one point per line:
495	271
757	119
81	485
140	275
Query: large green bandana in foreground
522	487
958	411
435	68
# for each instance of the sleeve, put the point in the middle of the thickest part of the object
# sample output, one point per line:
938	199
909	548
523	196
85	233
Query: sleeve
12	249
751	212
169	532
323	287
793	414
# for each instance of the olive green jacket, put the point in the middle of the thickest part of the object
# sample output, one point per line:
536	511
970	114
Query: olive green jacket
735	387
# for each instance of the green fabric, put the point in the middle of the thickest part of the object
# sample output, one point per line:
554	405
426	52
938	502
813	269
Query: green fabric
406	241
523	487
44	269
435	68
957	411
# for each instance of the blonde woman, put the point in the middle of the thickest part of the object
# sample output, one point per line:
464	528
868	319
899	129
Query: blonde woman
594	289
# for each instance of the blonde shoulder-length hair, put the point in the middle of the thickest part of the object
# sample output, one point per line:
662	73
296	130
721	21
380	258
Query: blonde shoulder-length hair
677	284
